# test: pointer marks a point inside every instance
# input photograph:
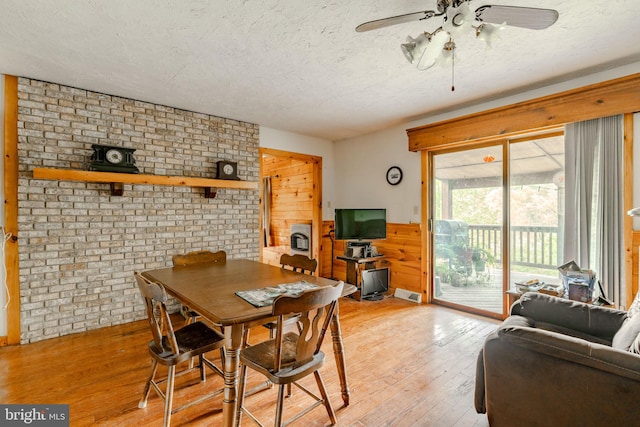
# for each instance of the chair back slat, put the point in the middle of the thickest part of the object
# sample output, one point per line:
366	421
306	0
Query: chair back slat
199	257
299	263
155	299
315	307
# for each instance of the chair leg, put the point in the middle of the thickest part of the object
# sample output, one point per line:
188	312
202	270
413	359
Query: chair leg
242	386
147	386
325	398
280	406
203	374
189	319
223	354
168	395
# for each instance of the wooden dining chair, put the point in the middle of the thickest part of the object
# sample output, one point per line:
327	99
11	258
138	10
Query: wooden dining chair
193	258
170	347
300	264
199	257
292	356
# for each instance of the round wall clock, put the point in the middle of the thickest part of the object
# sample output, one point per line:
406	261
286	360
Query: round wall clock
394	175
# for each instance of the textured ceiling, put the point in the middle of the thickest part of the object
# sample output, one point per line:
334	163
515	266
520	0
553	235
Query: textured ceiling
299	65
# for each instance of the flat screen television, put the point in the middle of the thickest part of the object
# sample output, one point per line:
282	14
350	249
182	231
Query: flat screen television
361	224
375	283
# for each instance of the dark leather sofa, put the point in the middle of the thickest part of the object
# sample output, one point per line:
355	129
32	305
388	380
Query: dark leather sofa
556	362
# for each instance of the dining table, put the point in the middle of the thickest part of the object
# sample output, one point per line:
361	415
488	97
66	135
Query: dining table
210	290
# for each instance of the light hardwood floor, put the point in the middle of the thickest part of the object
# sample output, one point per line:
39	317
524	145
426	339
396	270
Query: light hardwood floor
407	365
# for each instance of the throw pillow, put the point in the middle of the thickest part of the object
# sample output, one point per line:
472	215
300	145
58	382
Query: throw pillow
635	345
628	336
634	308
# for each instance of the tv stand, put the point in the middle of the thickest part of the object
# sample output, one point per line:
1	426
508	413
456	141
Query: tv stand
355	268
359	249
374	297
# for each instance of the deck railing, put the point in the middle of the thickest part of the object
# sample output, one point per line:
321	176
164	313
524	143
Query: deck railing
530	246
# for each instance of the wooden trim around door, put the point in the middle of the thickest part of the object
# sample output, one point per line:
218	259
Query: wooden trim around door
11	206
316	221
543	116
618	96
630	269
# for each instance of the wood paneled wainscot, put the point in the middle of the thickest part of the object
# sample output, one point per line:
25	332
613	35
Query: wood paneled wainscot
401	249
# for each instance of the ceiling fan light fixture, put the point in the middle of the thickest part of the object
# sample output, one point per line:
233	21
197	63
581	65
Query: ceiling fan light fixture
408	49
489	33
414	48
457	19
448	53
433	50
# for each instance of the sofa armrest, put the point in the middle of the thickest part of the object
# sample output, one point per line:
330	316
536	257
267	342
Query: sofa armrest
574	350
590	319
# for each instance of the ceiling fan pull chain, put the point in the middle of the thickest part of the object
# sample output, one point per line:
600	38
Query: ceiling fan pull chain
453	65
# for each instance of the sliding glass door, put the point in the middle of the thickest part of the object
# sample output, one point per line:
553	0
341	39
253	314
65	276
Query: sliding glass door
467	207
536	213
478	251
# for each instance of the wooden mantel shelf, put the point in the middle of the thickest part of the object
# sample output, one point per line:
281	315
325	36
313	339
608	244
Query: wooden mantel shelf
117	179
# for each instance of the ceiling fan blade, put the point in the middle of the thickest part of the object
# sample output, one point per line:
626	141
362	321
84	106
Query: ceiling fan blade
524	17
400	19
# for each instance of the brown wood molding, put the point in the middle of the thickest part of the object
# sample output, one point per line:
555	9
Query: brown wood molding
129	178
603	99
11	206
630	268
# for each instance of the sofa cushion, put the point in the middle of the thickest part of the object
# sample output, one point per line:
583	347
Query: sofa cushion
522	321
588	319
572	333
628	336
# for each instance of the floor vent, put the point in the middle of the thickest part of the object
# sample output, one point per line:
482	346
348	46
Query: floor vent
408	295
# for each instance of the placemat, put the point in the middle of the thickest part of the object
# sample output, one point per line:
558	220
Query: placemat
264	296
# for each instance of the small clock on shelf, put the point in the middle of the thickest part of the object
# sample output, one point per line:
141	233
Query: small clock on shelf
112	159
227	170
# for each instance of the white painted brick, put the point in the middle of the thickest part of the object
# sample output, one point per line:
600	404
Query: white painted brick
79	246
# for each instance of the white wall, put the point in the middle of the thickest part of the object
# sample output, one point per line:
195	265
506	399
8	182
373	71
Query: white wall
361	170
362	182
287	141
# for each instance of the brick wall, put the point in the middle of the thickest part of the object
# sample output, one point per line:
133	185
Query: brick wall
78	245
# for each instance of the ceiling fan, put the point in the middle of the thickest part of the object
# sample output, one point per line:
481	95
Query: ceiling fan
439	47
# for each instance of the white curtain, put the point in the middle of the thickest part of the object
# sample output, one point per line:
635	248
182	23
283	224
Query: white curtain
266	210
593	200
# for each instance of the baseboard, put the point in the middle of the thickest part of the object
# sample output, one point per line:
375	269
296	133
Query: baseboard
408	295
